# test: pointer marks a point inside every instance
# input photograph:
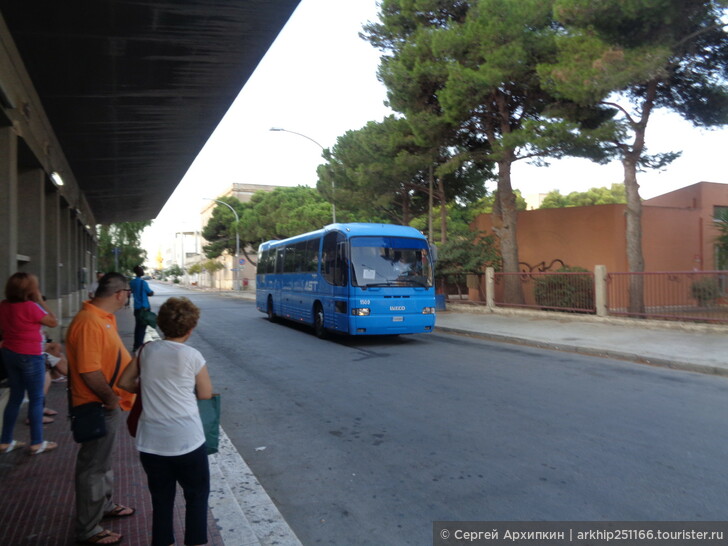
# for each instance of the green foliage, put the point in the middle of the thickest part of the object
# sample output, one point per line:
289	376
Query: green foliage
126	237
705	290
284	212
466	254
175	272
594	196
195	269
269	215
212	266
382	171
460	216
565	292
220	228
652	53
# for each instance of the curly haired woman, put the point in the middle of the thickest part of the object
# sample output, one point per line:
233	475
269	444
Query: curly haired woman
170	438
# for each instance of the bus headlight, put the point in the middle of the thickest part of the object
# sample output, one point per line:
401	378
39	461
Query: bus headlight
428	310
361	312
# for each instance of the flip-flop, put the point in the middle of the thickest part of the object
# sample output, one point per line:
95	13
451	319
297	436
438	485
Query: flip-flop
46	420
50	412
44	447
117	512
98	537
12	446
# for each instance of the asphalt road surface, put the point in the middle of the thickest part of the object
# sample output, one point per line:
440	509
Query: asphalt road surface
370	440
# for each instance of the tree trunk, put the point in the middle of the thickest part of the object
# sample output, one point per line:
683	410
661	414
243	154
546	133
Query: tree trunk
443	210
505	218
635	260
630	159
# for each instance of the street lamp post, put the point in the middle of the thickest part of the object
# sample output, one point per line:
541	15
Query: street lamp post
236	280
333	188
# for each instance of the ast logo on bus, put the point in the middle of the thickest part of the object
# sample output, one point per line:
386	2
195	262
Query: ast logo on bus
398	308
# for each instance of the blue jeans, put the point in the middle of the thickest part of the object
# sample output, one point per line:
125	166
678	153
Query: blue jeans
192	472
25	372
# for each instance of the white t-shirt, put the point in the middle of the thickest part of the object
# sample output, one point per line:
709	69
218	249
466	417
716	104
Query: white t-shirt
170	422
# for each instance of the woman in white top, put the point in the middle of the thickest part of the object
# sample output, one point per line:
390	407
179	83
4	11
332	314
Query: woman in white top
170	438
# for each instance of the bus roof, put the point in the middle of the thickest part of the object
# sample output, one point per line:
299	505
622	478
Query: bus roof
353	229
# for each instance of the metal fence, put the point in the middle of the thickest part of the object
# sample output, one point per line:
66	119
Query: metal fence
683	295
550	291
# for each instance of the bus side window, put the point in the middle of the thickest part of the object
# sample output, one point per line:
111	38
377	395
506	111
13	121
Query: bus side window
334	259
280	252
342	264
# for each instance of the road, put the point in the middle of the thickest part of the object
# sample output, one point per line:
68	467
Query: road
368	441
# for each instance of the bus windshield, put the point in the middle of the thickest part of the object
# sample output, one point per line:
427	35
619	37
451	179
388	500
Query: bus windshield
390	261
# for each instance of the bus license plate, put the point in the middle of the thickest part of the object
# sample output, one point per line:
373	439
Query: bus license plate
397	319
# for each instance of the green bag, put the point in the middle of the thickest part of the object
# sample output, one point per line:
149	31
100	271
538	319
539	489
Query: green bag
210	415
148	318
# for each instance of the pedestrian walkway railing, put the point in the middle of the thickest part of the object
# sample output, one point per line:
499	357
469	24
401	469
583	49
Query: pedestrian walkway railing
676	295
548	291
699	296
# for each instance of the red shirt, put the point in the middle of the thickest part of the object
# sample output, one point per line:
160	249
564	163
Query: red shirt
21	327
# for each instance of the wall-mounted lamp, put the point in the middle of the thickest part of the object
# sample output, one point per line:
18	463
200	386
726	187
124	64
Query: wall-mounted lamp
57	180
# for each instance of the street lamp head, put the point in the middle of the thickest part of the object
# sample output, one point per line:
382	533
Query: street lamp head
276	129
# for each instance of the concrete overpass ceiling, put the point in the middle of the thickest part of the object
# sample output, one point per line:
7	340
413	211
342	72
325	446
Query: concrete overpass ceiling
134	88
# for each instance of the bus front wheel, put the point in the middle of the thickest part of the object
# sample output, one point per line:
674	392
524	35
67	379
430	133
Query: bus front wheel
318	321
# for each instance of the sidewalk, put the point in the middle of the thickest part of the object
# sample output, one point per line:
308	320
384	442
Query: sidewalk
37	499
691	347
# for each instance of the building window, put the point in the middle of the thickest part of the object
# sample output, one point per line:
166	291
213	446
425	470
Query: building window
720	213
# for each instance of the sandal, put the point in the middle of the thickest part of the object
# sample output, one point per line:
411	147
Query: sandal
50	412
46	420
120	511
101	538
44	447
12	446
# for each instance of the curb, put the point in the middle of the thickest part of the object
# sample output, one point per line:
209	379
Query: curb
245	514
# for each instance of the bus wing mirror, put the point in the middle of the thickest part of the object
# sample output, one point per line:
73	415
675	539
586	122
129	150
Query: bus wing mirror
433	252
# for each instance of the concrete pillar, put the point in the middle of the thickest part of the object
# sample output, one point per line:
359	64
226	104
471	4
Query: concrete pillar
52	285
8	203
600	290
65	259
31	223
490	288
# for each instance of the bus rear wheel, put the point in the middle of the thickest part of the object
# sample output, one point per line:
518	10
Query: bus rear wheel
318	321
269	310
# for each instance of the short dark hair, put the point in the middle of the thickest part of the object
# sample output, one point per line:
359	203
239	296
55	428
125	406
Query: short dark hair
17	289
138	270
177	316
110	284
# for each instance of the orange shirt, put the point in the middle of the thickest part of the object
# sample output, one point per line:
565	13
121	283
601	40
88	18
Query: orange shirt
93	344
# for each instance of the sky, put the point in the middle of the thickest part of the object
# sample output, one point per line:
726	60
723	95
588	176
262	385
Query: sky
319	78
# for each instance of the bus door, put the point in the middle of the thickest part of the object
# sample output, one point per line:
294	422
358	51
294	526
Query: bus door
335	292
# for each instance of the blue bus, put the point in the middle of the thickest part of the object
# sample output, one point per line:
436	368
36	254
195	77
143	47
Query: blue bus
357	279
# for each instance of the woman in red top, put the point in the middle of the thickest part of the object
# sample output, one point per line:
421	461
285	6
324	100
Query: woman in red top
23	314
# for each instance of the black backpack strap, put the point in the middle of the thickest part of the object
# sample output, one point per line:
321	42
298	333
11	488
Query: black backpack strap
116	371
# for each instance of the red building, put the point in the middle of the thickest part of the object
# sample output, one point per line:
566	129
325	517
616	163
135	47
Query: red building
678	232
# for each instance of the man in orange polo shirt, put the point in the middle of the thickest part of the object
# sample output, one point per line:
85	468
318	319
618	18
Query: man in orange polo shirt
93	347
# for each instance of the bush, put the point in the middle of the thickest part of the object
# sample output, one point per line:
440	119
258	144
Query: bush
705	290
565	291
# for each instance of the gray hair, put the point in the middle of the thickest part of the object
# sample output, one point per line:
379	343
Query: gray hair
110	284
